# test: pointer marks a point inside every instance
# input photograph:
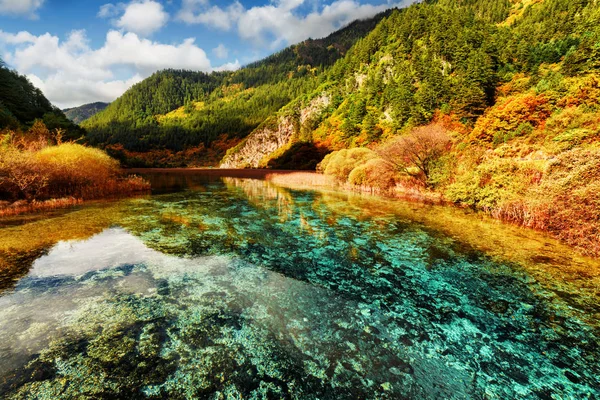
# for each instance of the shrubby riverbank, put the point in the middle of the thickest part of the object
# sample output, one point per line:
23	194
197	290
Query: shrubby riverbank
557	196
38	172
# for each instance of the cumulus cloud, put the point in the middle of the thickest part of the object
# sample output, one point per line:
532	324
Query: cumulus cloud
71	73
280	22
143	17
20	7
110	10
221	51
199	12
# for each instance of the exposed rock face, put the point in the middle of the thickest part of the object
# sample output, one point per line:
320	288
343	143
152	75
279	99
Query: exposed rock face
259	144
314	107
266	140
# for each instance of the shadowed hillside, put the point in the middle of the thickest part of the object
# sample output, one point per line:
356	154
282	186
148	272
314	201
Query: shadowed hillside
81	113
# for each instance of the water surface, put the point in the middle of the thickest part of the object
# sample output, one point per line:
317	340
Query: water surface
226	288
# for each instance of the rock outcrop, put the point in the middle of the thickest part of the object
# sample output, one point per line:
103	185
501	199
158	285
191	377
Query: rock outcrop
262	142
267	139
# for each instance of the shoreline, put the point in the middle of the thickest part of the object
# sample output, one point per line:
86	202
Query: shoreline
428	198
226	172
308	180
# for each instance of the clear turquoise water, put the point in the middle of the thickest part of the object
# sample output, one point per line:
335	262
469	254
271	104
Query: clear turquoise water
229	288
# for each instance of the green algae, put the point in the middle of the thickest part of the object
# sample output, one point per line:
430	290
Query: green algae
246	290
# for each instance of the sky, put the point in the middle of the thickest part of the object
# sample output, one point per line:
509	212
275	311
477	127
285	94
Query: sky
82	51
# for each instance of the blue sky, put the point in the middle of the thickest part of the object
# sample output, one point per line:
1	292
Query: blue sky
81	51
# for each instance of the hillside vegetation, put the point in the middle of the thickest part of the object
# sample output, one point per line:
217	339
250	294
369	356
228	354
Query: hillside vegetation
41	166
22	104
176	117
512	85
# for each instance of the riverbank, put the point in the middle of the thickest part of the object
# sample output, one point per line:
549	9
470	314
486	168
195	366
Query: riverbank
37	176
572	238
218	172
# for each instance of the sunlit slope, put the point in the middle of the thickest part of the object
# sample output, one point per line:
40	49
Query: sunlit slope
234	102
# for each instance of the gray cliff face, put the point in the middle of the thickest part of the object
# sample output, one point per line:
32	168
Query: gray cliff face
266	140
259	144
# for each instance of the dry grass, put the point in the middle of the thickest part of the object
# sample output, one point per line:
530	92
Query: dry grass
19	208
36	179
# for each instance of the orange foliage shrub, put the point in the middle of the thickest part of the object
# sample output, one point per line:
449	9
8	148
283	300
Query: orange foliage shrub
509	113
416	153
375	173
67	170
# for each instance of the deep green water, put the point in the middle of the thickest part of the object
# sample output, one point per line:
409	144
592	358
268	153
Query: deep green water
229	288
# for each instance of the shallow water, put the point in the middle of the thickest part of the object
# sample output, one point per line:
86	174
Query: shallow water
236	288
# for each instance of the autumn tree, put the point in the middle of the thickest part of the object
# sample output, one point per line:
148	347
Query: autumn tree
416	153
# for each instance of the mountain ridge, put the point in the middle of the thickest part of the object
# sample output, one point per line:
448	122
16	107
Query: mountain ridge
85	111
175	112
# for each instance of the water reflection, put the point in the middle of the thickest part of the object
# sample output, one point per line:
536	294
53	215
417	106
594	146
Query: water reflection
238	288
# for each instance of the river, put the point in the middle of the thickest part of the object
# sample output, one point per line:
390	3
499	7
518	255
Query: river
224	288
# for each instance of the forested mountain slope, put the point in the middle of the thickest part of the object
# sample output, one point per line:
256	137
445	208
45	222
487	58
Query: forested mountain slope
514	85
460	59
21	104
81	113
181	117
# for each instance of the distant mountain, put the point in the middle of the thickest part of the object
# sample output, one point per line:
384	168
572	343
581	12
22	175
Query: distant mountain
203	115
21	104
81	113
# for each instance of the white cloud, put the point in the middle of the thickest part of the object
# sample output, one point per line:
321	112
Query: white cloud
280	22
16	38
66	91
143	17
196	12
229	66
20	7
71	73
221	51
110	10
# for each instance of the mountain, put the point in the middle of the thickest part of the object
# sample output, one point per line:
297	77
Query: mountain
188	118
21	104
498	68
81	113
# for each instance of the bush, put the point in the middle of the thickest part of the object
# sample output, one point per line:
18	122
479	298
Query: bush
66	170
417	153
340	163
376	173
75	170
493	183
572	186
21	176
